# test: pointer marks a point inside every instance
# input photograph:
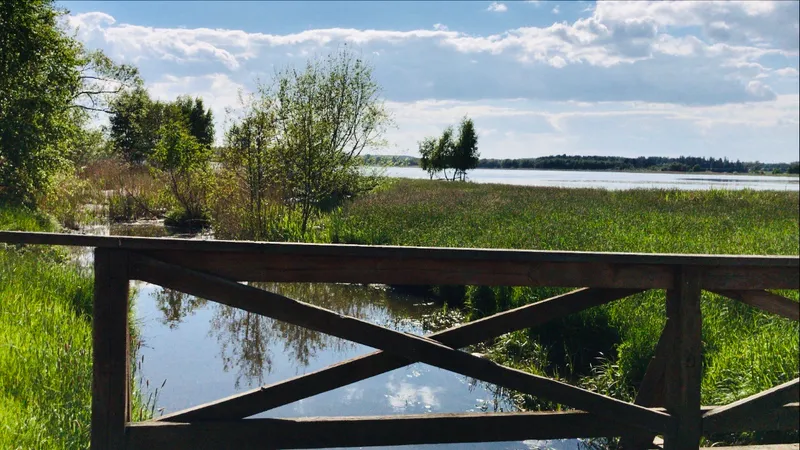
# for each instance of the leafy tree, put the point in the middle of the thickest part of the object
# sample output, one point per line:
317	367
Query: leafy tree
447	152
135	122
183	162
465	151
249	160
794	167
201	121
326	115
49	83
444	154
428	158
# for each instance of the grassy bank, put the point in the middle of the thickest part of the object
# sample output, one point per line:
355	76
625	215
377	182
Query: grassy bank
605	348
45	344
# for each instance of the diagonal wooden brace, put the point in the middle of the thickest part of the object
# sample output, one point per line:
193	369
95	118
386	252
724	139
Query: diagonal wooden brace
264	398
413	348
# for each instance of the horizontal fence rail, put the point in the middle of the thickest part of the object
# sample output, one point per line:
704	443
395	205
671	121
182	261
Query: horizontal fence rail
667	403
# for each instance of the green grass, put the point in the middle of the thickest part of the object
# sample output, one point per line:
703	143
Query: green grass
45	344
421	212
606	348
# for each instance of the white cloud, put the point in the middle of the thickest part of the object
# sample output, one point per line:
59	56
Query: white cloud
736	22
404	395
555	10
696	73
497	7
789	72
521	128
610	55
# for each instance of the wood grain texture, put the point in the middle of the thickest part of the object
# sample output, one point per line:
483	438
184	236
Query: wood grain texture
327	432
682	374
739	413
420	271
110	340
294	389
483	270
413	348
388	252
766	301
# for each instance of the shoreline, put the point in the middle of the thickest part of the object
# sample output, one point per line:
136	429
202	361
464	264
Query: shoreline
783	175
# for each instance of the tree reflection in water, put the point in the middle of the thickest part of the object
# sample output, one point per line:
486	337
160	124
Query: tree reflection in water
176	305
247	340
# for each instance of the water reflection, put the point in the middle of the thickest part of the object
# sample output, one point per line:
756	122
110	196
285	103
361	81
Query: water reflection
176	305
247	341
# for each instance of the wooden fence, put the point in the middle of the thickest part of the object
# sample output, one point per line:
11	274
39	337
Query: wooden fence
667	404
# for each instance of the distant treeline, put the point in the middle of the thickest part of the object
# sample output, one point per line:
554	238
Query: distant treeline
565	162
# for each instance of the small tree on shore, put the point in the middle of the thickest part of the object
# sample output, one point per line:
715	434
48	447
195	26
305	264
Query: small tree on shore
445	151
183	163
320	119
428	158
249	170
450	152
327	114
465	151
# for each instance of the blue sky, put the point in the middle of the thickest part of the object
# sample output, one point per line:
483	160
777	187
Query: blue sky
539	78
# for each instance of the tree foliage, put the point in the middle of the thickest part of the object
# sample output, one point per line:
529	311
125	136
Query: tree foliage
429	161
137	120
249	162
459	153
465	153
314	122
183	162
49	83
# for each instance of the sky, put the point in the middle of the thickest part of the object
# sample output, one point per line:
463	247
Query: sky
714	79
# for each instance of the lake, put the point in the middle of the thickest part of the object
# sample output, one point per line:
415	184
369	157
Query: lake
613	180
194	351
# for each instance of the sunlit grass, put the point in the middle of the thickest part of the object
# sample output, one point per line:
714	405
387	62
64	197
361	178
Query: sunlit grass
45	344
745	350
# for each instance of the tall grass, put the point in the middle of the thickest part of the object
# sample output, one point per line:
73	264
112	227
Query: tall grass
45	344
131	191
605	348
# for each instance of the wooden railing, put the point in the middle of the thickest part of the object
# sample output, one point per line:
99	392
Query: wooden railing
667	404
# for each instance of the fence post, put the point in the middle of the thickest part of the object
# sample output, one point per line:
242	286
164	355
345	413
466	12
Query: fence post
684	364
110	359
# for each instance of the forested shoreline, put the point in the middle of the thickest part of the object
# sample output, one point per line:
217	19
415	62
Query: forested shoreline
609	163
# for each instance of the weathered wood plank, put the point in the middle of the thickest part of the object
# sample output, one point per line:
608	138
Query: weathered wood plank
421	271
326	432
651	391
749	278
476	271
786	417
411	347
683	369
110	340
739	413
387	252
288	391
757	447
766	301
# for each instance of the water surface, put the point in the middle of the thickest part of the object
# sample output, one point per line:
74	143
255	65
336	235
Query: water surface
614	180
